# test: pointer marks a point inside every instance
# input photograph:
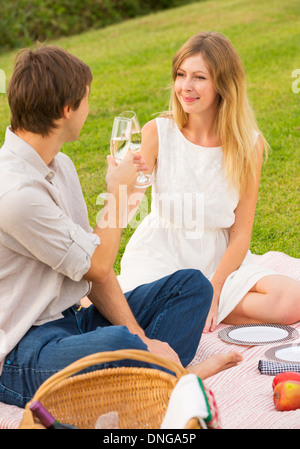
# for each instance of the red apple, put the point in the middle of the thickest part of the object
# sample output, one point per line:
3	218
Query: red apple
288	375
287	395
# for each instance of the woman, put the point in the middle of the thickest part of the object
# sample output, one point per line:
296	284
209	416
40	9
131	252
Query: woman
207	154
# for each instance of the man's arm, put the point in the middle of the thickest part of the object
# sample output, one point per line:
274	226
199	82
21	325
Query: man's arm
110	301
118	210
120	181
106	293
108	298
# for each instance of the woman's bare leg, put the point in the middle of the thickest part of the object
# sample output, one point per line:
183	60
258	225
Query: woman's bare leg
273	299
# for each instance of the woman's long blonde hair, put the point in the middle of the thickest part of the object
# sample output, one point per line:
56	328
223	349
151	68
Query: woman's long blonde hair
235	121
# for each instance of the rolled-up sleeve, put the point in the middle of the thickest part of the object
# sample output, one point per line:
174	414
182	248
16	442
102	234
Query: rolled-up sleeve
77	259
35	225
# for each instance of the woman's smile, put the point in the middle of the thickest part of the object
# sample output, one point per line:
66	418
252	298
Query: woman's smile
189	99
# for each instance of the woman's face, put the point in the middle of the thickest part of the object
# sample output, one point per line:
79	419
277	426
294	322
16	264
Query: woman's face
194	87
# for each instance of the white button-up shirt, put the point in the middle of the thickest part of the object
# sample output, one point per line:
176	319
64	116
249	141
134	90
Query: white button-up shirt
46	242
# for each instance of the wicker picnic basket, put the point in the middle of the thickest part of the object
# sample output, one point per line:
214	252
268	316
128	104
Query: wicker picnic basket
139	395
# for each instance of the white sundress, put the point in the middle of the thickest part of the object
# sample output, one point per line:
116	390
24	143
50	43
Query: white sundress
192	210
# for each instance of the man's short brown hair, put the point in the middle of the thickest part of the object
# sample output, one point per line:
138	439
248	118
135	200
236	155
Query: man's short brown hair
45	79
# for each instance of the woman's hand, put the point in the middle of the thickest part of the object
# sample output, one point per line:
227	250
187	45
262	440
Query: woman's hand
212	317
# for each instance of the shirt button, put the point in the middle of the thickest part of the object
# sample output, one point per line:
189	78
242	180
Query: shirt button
72	232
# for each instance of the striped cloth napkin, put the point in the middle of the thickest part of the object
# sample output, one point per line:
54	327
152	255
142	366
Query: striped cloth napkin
273	368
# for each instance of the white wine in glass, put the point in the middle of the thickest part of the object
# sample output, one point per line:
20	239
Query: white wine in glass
120	138
119	141
143	180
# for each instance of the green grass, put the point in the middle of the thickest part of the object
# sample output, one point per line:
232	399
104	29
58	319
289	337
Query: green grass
131	64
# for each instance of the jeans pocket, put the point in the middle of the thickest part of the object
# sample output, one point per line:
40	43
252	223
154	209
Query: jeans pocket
11	397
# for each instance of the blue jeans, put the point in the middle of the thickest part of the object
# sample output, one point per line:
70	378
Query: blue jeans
172	309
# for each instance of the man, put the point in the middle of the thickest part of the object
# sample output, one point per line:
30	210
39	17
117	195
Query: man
49	256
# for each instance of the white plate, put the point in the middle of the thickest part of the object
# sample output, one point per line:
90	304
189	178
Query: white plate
285	353
258	334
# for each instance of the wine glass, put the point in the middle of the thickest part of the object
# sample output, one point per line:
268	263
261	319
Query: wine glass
119	141
143	180
120	138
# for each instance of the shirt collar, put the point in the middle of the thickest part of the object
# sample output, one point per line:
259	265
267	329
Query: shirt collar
23	150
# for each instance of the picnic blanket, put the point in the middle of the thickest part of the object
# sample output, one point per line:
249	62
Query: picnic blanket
244	396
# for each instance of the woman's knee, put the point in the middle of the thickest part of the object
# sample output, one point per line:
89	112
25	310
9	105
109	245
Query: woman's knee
282	297
289	308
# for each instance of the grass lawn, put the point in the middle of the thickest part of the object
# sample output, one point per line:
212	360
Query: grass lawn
131	64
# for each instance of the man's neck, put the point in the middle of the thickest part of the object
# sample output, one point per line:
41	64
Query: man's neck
47	147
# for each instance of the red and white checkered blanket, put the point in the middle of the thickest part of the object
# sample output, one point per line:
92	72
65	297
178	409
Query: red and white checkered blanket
243	395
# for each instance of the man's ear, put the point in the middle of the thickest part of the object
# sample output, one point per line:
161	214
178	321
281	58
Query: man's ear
66	112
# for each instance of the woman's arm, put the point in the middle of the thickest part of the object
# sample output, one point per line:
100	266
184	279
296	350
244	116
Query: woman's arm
239	241
149	150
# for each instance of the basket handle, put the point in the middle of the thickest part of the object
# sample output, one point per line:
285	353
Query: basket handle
102	357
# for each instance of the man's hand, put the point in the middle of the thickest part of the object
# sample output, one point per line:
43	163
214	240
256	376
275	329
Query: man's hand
161	348
124	173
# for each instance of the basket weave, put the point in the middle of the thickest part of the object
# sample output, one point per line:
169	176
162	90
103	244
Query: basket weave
140	396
